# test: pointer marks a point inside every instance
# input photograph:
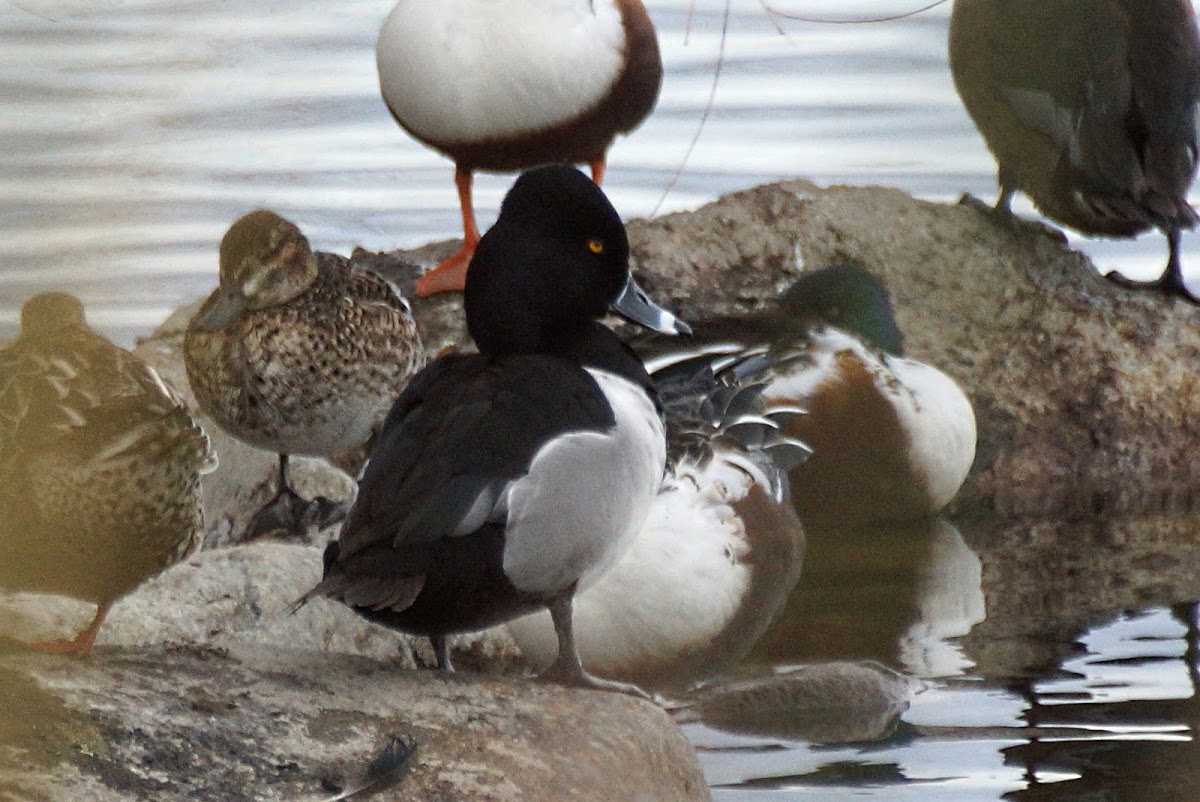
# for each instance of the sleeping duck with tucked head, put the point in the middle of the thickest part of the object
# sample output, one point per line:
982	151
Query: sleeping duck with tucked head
893	437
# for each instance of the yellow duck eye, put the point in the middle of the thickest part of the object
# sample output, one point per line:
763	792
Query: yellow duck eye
596	246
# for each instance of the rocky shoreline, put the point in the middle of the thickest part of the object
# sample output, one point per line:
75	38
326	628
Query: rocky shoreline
202	684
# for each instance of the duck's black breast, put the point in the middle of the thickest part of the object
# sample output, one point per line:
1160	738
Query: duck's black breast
422	548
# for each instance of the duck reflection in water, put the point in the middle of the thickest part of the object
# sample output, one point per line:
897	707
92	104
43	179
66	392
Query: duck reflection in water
898	594
876	614
1089	108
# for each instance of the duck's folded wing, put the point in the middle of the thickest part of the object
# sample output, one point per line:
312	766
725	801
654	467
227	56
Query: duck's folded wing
454	442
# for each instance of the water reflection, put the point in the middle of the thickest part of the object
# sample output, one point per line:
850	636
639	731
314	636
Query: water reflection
1131	694
1051	695
895	593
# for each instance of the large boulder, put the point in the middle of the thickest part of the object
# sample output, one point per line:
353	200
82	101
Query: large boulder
274	724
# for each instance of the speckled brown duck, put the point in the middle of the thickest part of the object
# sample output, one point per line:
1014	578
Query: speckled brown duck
100	465
1089	108
503	85
298	352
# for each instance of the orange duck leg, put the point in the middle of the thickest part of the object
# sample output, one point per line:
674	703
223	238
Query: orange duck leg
81	645
451	274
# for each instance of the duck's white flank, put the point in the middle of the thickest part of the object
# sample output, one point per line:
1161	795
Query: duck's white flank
673	591
586	495
941	425
934	411
456	71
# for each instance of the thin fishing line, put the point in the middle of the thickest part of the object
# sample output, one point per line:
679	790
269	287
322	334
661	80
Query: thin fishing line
708	107
772	12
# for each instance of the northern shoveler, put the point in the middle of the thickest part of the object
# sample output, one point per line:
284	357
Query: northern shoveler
720	550
502	86
892	438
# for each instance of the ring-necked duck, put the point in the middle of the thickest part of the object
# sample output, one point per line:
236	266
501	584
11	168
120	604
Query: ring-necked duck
297	352
892	438
720	550
504	480
1089	107
100	465
507	85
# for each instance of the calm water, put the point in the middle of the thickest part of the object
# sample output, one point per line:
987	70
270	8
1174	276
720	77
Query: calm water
134	131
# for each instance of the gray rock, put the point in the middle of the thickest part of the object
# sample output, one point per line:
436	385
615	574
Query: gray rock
243	596
272	724
837	702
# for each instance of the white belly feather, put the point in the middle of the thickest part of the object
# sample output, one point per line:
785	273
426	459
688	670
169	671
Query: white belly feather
585	496
459	71
675	589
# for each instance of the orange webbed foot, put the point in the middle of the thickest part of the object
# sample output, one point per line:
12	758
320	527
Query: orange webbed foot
449	276
79	646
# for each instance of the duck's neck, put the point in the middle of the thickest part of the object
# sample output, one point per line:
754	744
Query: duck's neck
588	343
596	346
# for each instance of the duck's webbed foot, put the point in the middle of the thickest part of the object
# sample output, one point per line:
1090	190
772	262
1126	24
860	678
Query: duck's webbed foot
291	516
1170	283
567	668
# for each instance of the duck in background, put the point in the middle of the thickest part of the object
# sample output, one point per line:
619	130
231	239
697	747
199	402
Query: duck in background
502	86
100	466
892	438
720	551
504	480
297	352
1089	107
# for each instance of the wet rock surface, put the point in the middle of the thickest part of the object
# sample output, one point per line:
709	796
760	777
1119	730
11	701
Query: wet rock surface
1045	582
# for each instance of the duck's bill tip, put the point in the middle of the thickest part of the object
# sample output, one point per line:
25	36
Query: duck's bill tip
219	311
635	305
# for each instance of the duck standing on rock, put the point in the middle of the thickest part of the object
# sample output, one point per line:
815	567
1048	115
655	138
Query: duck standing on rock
503	86
506	480
1089	107
297	352
721	549
893	438
100	465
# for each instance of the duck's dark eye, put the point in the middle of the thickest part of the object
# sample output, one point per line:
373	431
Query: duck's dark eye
596	245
